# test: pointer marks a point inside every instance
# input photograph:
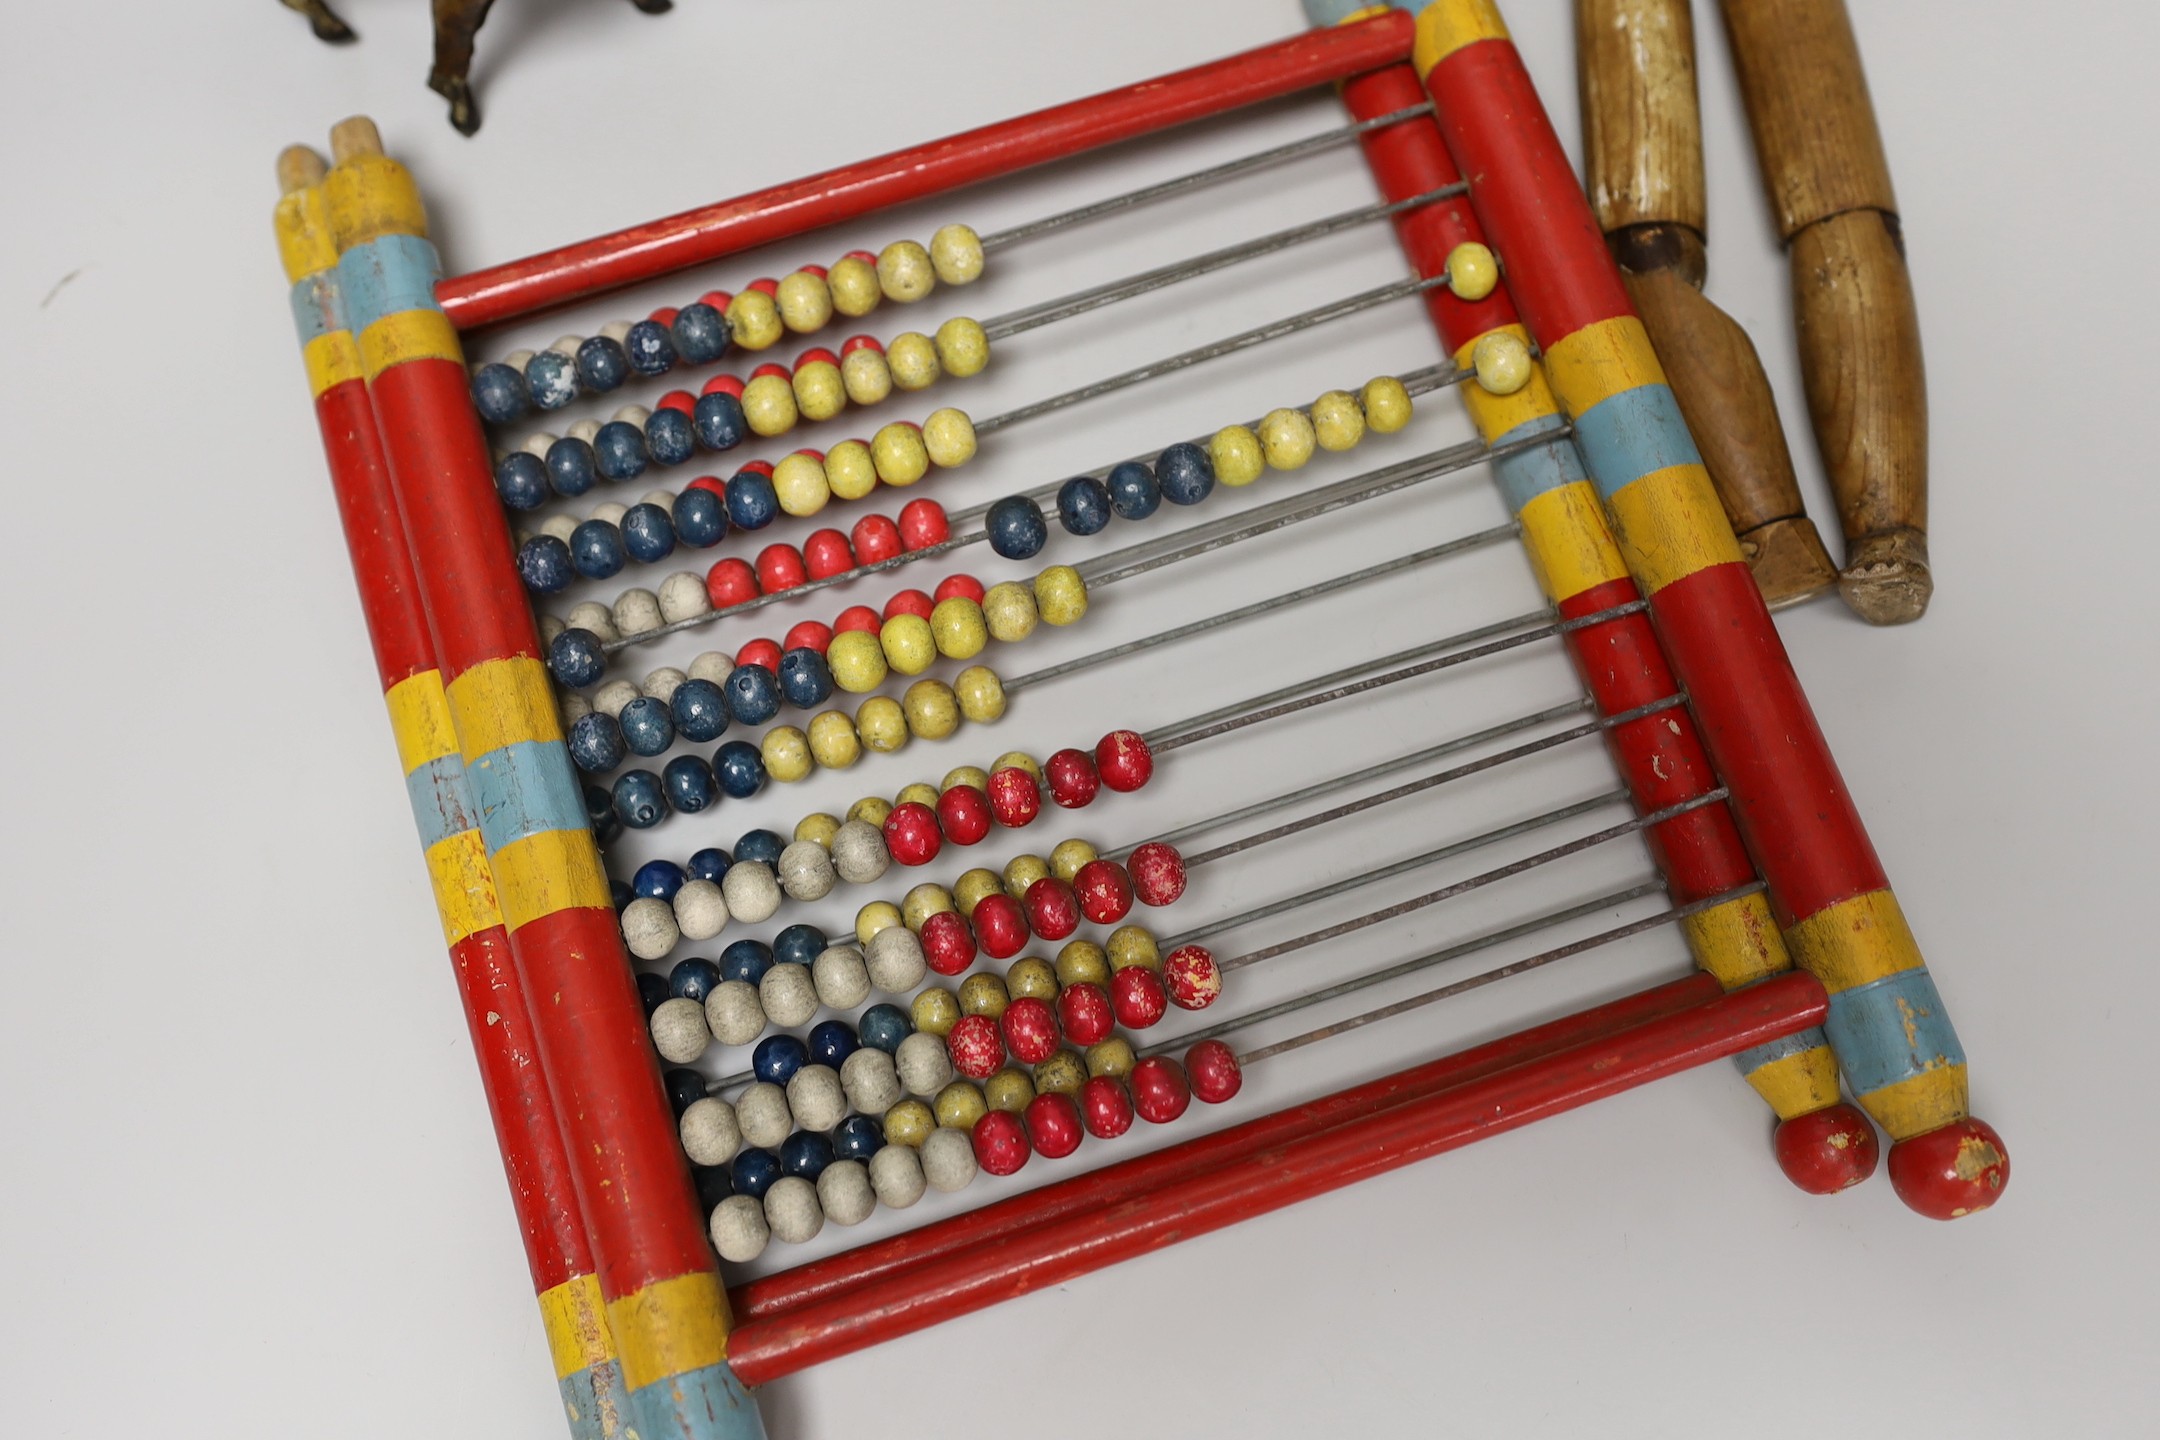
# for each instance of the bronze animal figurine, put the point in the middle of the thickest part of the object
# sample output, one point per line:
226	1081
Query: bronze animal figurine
456	23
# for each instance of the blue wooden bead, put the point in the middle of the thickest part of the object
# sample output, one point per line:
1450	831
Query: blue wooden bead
1016	527
650	349
597	550
858	1138
521	480
551	380
778	1057
647	533
571	466
753	694
1083	505
710	863
832	1041
657	880
701	334
714	1184
751	502
883	1026
693	979
753	1172
806	1153
619	451
746	960
596	743
689	784
805	678
739	768
669	437
718	420
684	1088
799	944
1133	491
601	364
700	519
620	895
576	658
600	815
652	991
639	802
647	727
761	847
544	565
700	711
498	393
1185	473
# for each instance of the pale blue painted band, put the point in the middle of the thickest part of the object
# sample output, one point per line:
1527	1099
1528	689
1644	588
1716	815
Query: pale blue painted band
1541	468
1890	1030
1632	434
387	276
525	789
587	1407
1785	1046
704	1404
315	306
440	805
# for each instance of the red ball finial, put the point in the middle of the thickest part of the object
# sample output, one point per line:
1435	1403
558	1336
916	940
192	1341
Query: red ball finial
1958	1169
1830	1150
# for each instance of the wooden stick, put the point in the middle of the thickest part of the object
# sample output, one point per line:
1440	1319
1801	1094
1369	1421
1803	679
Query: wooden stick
1642	157
1822	160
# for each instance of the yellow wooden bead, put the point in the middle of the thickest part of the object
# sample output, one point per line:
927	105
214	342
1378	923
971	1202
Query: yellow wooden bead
799	481
960	1105
1031	978
1022	871
833	741
904	272
878	915
1062	1074
754	320
871	810
1286	438
1387	404
1502	362
962	347
853	283
957	254
984	994
866	376
913	359
1113	1057
1009	610
857	661
933	712
973	886
820	393
909	1123
1132	945
786	752
981	694
949	438
1471	270
1083	962
805	302
818	826
897	451
920	903
1061	596
1017	760
1237	457
849	470
1069	856
909	648
959	775
882	724
935	1011
917	794
1009	1090
768	405
956	624
1337	422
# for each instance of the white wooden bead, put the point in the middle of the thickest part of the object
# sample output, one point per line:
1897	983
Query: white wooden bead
843	1188
859	853
713	665
683	596
550	627
710	1135
678	1031
585	430
596	617
739	1231
896	1175
537	445
661	684
734	1013
895	958
517	359
611	511
816	1099
610	698
665	499
752	892
841	977
574	707
762	1112
649	928
948	1159
568	345
787	995
806	871
871	1082
700	910
922	1064
633	415
562	527
616	330
792	1210
637	611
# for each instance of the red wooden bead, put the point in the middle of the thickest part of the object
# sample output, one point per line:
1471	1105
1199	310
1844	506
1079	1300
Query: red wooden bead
1955	1170
1071	776
976	1047
857	617
731	582
1105	1108
1053	910
1215	1072
1001	1143
1159	1091
780	372
826	552
860	342
1014	797
923	523
964	812
1124	760
682	402
761	467
908	602
912	834
948	943
1191	977
722	385
712	484
718	299
817	270
809	635
1084	1012
759	652
876	538
868	257
1138	997
1105	892
780	567
766	283
966	587
815	354
1000	927
1830	1150
1158	873
1031	1029
1053	1124
665	315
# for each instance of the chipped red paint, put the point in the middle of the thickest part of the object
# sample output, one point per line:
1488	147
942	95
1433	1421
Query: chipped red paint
1828	1150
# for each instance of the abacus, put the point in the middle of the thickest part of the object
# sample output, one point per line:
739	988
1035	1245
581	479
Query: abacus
651	1118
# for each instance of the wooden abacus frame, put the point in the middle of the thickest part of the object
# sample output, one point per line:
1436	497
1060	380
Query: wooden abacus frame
1615	507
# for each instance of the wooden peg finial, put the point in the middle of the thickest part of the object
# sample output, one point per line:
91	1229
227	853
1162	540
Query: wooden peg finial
299	166
350	139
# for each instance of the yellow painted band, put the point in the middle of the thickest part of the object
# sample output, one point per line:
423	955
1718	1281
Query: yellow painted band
1497	415
555	870
1570	547
576	1319
464	885
670	1327
1920	1103
1798	1084
420	718
1445	26
370	196
1601	360
1738	942
306	245
332	359
503	702
1367	13
1670	525
1855	941
409	335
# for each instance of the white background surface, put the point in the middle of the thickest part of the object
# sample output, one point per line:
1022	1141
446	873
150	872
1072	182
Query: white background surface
247	1185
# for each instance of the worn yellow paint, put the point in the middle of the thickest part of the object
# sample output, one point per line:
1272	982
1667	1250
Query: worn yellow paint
670	1327
306	245
503	702
1670	525
1601	360
1798	1084
409	335
332	359
464	885
1570	548
1738	942
1855	941
420	719
370	196
1445	26
538	875
1369	12
1913	1106
576	1319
